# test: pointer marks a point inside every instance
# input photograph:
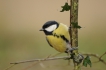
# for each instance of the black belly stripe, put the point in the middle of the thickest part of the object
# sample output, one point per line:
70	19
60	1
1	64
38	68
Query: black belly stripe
61	36
55	35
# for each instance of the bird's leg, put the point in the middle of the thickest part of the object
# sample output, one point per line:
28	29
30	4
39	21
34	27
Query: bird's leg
77	57
71	51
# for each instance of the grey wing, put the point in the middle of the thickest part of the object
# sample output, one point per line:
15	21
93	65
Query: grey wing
49	42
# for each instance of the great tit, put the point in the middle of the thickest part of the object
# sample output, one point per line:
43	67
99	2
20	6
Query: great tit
57	36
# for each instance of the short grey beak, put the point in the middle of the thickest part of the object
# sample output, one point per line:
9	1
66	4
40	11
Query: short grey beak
41	29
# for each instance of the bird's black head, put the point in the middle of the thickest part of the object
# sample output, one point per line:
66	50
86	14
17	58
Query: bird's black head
49	27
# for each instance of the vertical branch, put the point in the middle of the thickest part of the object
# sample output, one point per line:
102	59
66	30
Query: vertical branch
74	33
74	19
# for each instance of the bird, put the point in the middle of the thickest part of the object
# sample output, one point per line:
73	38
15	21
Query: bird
57	36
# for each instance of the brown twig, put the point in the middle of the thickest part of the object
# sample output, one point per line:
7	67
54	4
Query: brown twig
102	55
56	58
98	57
10	67
26	68
63	57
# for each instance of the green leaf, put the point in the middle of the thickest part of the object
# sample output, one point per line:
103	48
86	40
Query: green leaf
75	25
87	61
66	7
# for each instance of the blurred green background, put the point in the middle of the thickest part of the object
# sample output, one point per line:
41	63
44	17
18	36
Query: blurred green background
20	38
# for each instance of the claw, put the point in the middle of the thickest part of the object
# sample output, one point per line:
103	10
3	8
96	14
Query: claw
73	48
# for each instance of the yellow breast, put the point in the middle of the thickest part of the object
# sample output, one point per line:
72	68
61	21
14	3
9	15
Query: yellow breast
57	42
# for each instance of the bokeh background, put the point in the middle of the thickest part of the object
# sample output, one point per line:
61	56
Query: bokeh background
20	38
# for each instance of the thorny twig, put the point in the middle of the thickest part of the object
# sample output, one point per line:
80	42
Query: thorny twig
54	58
98	57
63	57
57	58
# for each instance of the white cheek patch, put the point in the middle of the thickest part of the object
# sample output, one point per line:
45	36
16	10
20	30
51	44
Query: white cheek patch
51	28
